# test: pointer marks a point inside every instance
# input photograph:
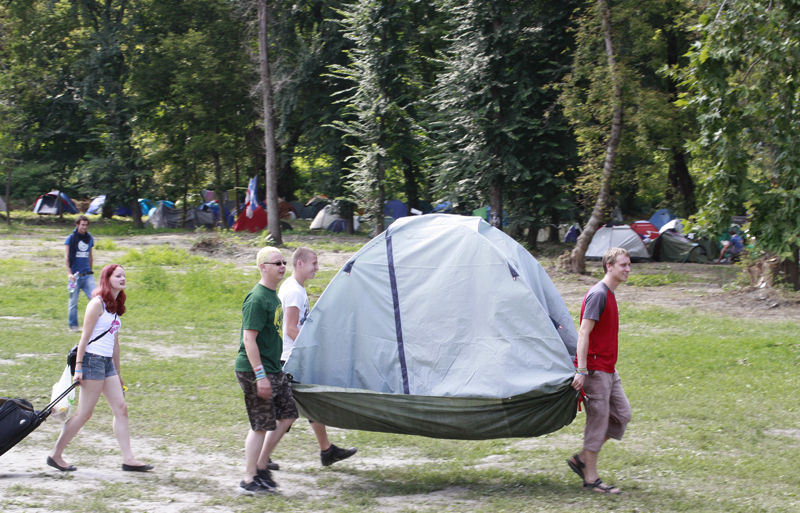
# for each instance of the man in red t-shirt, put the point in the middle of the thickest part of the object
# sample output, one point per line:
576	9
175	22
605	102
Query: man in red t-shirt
607	409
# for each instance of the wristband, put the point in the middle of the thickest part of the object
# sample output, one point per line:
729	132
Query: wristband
260	374
78	371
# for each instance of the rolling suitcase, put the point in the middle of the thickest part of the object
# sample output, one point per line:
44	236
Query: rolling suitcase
18	419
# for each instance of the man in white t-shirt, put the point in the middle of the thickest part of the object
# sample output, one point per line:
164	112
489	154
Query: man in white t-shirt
294	300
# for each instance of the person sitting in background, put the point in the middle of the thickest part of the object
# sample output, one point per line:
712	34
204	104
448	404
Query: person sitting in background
732	248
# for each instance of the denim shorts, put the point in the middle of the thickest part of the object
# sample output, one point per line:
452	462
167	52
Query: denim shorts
98	367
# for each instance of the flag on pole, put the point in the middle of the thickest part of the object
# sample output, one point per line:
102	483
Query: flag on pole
251	199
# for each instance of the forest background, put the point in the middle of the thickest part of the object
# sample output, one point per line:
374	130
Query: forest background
506	103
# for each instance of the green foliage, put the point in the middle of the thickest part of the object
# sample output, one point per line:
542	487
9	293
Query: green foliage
649	38
743	83
381	129
498	129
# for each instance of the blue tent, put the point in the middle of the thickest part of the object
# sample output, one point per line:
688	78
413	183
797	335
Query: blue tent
662	217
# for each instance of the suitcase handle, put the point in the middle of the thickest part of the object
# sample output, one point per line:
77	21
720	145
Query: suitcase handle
44	413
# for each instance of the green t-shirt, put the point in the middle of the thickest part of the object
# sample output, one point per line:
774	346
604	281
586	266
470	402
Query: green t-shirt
262	312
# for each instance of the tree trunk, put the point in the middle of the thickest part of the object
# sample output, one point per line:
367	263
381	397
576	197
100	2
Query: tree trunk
576	262
791	268
496	202
136	212
271	173
218	192
410	184
380	197
681	183
680	189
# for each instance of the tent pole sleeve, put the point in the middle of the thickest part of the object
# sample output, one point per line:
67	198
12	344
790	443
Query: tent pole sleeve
398	326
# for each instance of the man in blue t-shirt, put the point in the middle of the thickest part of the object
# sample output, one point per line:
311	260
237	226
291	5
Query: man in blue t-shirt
78	256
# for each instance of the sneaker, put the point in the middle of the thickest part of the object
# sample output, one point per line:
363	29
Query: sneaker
74	329
271	465
254	487
265	476
334	454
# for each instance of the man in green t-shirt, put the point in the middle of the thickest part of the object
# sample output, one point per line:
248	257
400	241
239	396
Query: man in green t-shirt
267	393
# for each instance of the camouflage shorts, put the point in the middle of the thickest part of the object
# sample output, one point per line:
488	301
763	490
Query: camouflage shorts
264	412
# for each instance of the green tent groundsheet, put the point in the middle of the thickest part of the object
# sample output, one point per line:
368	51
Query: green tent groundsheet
463	418
441	326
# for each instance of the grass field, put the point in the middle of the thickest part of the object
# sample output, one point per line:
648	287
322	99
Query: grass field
715	429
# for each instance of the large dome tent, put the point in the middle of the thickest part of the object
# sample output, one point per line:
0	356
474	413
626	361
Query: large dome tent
441	326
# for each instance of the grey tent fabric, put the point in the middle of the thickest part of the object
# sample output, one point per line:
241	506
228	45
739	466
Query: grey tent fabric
166	217
621	236
439	307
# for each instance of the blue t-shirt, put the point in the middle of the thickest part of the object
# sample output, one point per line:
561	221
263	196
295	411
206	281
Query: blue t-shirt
79	261
737	244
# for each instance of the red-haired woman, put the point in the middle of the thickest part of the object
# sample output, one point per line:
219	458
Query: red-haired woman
97	369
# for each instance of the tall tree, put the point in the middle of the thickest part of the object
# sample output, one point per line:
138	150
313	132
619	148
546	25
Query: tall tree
575	262
271	172
110	42
497	113
744	83
193	80
381	131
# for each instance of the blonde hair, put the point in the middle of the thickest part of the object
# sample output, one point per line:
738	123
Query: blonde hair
264	254
611	255
301	253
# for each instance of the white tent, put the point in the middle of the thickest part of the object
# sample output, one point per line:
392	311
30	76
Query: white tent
621	236
437	308
326	216
2	205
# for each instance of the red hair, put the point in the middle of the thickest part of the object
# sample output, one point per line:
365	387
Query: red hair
115	306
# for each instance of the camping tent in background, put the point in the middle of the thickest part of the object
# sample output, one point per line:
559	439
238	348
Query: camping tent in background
672	225
324	218
328	219
96	206
645	229
443	207
54	202
572	233
404	339
621	236
661	217
167	217
671	246
2	205
395	209
253	224
302	211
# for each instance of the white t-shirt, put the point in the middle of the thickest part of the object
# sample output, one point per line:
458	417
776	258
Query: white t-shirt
104	346
291	293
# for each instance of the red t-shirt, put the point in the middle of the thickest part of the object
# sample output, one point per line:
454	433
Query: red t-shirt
600	305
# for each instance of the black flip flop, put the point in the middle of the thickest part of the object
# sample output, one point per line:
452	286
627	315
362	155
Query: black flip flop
136	468
577	465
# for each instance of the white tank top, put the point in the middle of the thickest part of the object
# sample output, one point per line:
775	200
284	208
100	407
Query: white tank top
104	346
